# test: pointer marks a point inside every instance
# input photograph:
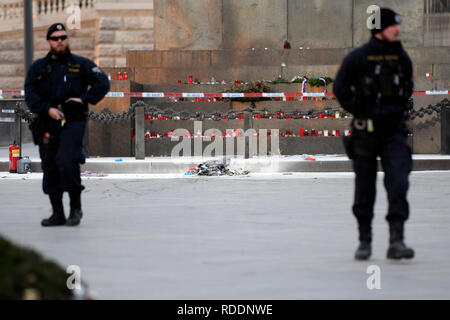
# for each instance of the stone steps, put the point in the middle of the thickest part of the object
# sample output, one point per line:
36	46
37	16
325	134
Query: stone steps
167	67
229	74
263	165
270	57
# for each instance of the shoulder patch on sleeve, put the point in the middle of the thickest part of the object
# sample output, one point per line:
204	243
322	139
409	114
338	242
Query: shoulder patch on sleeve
97	70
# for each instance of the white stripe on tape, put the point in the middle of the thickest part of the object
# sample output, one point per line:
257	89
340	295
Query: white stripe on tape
115	94
314	94
233	95
193	95
7	110
273	95
436	92
153	94
7	120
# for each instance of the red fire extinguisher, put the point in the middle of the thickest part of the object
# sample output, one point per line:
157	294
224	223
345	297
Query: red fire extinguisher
14	154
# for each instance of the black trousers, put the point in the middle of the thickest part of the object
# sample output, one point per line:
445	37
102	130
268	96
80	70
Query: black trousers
61	159
395	155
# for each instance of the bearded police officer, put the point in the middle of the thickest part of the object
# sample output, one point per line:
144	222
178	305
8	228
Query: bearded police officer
58	88
375	84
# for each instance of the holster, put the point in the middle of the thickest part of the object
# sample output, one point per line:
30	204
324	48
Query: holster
38	126
348	142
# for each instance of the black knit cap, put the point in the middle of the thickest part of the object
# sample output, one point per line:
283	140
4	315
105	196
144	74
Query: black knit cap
388	18
55	27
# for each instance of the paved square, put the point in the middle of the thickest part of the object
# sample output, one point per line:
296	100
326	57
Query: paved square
265	236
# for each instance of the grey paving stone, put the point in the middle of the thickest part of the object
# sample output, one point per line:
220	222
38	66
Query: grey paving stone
258	237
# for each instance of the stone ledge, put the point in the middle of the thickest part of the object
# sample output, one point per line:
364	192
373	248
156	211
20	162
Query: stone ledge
181	166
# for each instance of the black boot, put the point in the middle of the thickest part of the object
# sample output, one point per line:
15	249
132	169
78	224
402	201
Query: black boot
397	248
75	209
74	217
364	250
58	217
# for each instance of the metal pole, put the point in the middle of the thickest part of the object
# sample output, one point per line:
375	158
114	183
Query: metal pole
28	30
445	129
248	124
139	145
287	20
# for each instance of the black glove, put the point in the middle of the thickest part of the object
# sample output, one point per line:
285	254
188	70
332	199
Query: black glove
74	111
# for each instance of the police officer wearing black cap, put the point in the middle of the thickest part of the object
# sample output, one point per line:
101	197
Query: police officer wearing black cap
375	84
58	88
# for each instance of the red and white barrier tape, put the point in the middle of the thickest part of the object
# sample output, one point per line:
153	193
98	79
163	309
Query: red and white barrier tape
7	119
20	93
243	95
431	93
220	95
2	119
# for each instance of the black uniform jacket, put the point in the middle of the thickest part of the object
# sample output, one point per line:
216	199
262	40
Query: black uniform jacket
348	82
51	82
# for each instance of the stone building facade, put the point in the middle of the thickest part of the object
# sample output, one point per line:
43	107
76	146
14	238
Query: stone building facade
108	29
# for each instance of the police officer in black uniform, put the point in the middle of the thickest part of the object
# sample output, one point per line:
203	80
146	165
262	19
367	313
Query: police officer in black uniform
375	84
58	88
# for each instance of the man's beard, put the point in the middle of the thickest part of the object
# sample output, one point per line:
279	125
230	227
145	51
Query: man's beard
60	54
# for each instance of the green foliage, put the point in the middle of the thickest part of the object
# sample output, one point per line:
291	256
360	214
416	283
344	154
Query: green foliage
315	82
22	269
328	80
298	80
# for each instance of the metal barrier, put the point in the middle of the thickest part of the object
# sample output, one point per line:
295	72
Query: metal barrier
137	112
139	121
9	115
441	109
445	128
